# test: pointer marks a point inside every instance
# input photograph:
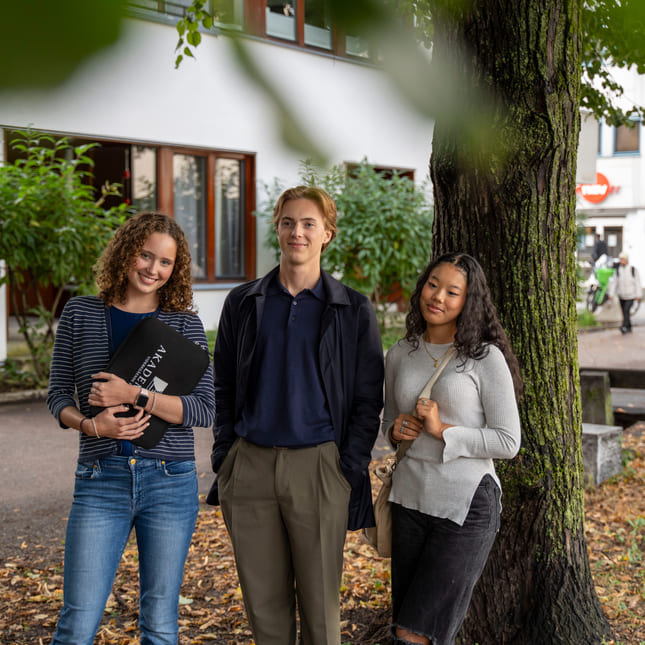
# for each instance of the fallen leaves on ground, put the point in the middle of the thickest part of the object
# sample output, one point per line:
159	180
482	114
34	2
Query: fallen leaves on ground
211	610
615	530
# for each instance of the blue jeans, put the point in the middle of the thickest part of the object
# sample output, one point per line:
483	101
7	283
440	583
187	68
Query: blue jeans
112	495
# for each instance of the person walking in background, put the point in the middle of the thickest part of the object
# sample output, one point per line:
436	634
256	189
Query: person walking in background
599	248
299	388
144	271
626	284
445	492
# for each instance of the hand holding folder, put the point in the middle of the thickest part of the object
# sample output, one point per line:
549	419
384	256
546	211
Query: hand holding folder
156	357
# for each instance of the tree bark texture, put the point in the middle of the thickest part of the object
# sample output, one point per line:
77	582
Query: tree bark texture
512	206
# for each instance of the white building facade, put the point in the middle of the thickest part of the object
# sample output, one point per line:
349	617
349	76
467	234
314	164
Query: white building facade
200	142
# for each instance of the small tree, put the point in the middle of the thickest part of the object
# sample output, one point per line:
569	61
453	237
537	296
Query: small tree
384	229
53	230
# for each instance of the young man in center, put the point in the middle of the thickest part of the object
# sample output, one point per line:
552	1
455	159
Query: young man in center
299	389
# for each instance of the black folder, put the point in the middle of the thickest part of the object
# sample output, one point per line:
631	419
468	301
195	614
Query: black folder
156	357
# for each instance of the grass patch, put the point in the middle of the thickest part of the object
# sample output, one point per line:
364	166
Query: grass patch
586	319
211	335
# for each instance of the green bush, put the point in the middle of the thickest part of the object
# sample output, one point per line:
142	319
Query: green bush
384	229
53	230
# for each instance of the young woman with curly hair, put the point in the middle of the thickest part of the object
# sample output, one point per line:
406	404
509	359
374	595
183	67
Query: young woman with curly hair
114	265
144	271
445	492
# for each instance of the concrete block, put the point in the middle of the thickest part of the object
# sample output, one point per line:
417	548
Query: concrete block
595	392
602	452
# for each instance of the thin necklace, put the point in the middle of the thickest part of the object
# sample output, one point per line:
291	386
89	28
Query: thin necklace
436	360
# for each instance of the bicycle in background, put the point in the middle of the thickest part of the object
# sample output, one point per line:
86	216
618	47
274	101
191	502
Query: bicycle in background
598	283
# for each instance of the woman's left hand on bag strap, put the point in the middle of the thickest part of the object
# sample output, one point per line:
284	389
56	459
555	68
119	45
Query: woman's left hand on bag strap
406	427
428	412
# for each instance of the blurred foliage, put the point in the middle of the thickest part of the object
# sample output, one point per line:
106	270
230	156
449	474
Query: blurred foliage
397	52
613	36
43	42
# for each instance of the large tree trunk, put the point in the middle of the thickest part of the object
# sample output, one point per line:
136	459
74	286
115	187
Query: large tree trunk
513	208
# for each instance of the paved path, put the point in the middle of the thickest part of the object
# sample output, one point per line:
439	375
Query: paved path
38	460
37	475
610	348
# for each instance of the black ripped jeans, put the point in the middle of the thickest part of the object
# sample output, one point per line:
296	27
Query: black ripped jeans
436	564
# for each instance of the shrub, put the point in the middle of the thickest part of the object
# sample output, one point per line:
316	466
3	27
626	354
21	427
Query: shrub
53	230
384	229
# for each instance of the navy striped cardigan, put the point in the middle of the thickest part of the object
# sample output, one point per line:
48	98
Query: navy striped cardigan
82	348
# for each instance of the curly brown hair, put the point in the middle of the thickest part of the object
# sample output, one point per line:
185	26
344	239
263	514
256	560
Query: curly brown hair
120	255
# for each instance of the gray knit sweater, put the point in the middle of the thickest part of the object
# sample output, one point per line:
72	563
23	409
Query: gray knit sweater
438	477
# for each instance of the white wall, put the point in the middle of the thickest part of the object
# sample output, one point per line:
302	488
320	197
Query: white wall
133	92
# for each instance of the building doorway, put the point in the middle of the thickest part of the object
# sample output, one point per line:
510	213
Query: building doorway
613	235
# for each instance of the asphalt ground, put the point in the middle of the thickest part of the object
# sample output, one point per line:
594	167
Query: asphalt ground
37	475
38	458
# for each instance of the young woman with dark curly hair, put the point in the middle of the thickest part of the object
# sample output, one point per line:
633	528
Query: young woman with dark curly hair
445	492
144	271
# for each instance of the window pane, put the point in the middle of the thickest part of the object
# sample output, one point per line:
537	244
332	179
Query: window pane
190	206
357	46
229	218
144	178
317	24
176	7
281	19
627	139
170	7
229	12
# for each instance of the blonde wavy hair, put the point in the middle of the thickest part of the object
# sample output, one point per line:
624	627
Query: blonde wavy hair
318	196
121	253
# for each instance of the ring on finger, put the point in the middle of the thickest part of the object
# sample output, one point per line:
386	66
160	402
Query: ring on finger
404	423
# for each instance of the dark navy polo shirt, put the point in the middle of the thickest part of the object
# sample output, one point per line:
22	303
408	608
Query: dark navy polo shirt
285	404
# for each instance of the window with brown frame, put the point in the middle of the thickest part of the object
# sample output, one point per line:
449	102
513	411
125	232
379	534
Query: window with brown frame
628	138
305	23
209	192
210	195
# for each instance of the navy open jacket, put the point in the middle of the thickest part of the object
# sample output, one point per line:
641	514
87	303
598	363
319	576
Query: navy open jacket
351	365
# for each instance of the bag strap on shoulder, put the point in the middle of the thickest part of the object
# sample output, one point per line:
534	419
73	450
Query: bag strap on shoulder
402	448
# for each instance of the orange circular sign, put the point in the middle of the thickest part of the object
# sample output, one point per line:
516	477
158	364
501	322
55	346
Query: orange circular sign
595	193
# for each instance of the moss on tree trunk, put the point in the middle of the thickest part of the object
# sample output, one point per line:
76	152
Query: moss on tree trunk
513	208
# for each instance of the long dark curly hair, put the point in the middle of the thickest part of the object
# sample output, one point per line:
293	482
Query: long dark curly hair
478	325
121	253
